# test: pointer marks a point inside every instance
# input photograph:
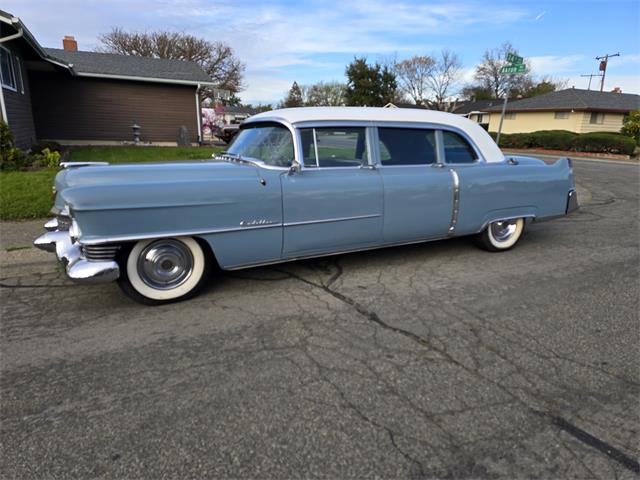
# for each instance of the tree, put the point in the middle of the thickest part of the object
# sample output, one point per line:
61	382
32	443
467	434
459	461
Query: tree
329	94
631	126
369	85
294	97
442	78
476	92
216	58
413	75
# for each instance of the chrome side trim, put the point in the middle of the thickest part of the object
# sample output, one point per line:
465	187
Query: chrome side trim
456	201
82	164
572	202
175	233
330	220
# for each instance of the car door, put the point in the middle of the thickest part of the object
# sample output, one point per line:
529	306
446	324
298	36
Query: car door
334	201
418	189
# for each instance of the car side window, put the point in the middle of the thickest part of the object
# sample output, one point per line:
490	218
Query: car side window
334	147
457	149
407	146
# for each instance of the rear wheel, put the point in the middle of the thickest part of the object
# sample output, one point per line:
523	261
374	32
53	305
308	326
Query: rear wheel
164	270
501	235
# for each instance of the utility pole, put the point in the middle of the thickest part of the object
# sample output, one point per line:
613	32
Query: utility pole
603	66
591	75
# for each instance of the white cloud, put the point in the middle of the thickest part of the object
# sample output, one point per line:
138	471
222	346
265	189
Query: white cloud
273	36
555	65
628	83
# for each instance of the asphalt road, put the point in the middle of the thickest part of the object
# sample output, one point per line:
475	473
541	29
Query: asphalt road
435	360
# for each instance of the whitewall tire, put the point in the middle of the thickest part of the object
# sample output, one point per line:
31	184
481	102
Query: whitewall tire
157	271
501	235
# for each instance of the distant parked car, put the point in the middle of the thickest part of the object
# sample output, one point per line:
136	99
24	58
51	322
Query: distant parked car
298	183
227	132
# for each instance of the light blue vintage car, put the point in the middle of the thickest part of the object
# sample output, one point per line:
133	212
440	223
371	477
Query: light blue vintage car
298	183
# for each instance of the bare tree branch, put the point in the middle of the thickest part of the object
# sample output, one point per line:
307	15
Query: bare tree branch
216	58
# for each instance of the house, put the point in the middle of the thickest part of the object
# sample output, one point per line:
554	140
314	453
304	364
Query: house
476	110
76	97
573	109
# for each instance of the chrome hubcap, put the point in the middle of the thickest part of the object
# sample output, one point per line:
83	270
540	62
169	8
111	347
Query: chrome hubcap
165	264
503	230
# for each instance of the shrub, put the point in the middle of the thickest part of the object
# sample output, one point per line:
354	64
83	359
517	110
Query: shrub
50	145
515	140
45	159
631	126
553	139
604	143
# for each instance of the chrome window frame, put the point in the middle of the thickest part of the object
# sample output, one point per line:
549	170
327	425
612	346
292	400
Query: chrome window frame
329	124
438	128
438	146
294	140
479	158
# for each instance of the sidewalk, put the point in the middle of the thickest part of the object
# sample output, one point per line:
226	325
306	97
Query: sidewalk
566	153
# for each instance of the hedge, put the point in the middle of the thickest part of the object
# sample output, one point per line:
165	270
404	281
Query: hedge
596	142
604	142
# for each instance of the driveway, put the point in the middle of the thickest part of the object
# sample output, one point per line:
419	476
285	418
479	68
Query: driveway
434	360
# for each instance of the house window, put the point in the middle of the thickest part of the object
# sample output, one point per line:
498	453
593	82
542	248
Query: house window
597	118
561	115
510	116
479	118
7	69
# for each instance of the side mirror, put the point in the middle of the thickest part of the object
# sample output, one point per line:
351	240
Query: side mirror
294	168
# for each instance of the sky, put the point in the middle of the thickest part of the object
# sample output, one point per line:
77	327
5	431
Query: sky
282	41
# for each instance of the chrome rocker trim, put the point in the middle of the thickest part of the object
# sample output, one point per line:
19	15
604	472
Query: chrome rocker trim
78	268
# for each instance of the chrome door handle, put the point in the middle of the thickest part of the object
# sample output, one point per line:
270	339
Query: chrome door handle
437	165
366	166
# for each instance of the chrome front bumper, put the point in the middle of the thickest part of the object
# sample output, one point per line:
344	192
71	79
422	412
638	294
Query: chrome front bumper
69	253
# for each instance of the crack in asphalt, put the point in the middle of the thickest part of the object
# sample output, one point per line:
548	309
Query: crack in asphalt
579	434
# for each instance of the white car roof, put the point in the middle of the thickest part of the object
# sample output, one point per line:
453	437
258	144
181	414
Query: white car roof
292	116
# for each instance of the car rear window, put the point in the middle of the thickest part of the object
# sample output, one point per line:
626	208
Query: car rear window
457	149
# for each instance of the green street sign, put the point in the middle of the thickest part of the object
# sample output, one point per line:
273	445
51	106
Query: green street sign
514	59
511	69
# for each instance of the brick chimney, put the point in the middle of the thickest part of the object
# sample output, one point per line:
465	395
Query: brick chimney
69	43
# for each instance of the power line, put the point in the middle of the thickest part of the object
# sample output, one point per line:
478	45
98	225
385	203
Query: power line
591	75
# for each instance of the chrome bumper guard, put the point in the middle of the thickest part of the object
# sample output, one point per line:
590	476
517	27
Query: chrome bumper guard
69	253
572	202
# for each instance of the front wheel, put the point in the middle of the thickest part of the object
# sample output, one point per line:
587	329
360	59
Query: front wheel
163	270
501	235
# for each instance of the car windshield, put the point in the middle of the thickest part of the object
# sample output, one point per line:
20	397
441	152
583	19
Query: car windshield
270	143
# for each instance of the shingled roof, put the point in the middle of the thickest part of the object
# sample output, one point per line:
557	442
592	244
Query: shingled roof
575	99
109	65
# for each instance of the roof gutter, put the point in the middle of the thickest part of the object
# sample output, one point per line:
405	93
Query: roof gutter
144	79
22	31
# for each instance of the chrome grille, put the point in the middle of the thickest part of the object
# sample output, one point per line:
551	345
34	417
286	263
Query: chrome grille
100	252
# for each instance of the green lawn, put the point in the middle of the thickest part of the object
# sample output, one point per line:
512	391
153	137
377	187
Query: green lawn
138	154
25	195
